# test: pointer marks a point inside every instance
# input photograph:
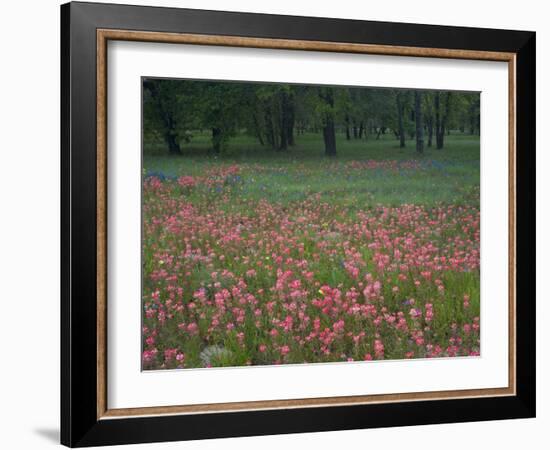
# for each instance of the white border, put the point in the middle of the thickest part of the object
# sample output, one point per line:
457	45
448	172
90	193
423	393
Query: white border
128	387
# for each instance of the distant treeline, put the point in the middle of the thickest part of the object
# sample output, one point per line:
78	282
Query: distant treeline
276	113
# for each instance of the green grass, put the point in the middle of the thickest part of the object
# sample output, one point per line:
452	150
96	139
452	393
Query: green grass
450	175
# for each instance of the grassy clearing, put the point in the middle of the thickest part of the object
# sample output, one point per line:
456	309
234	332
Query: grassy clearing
450	175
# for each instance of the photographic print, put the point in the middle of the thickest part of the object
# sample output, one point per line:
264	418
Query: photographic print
286	223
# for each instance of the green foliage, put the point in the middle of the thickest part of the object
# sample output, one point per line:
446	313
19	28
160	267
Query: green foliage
177	111
170	109
220	110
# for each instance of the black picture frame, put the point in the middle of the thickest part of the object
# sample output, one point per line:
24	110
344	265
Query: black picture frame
79	423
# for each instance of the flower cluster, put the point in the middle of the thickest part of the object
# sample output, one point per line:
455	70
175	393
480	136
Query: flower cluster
230	281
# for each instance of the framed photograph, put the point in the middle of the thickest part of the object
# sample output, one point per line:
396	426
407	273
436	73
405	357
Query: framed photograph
276	224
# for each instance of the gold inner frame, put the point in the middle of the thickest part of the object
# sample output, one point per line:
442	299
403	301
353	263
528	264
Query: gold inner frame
104	35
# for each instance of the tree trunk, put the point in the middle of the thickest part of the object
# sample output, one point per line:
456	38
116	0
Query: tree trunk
170	135
438	121
290	122
257	129
361	130
445	118
400	127
348	137
283	125
329	137
283	141
419	125
173	144
216	140
430	129
270	132
329	134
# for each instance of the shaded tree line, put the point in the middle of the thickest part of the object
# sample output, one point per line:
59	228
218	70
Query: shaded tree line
275	114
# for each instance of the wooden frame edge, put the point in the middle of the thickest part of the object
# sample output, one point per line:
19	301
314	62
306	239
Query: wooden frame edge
512	267
101	223
290	44
104	35
212	408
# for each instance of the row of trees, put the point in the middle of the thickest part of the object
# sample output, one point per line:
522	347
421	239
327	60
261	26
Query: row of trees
276	113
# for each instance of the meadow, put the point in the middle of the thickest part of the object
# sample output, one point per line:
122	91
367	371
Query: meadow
260	257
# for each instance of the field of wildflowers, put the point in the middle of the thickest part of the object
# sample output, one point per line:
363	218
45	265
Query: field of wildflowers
254	261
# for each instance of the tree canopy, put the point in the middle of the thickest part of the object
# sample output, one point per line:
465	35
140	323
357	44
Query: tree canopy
275	113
